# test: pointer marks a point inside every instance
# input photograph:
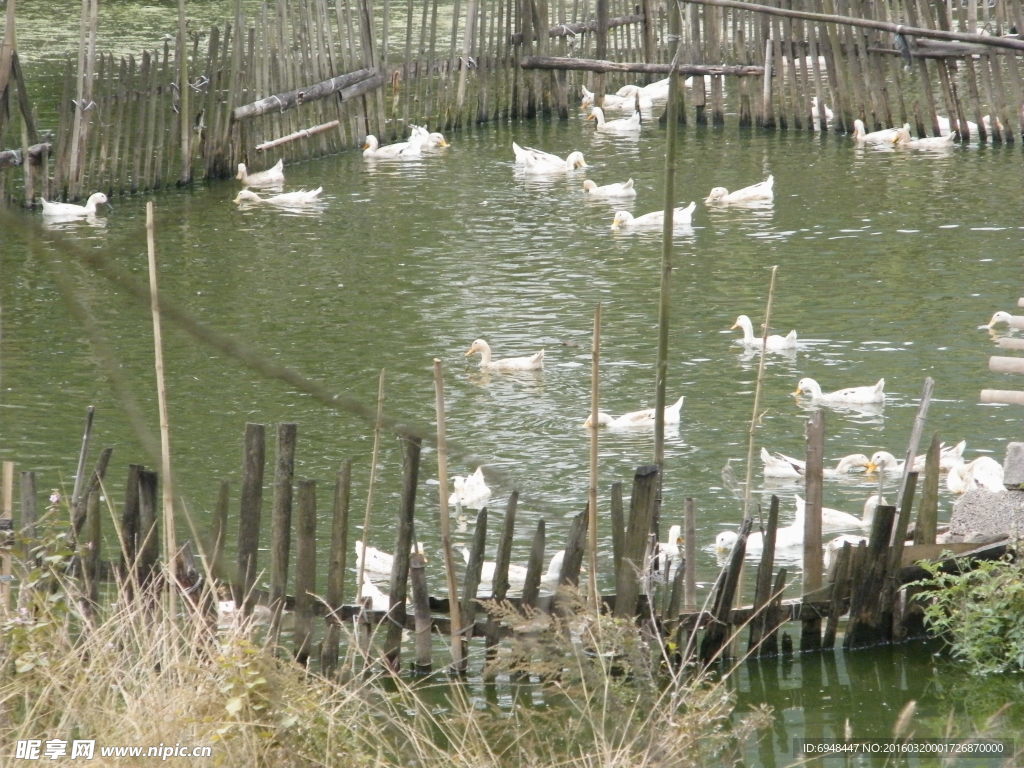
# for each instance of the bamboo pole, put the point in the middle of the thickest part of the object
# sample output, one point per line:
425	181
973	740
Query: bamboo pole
184	100
755	415
170	538
458	660
374	453
603	66
885	26
595	367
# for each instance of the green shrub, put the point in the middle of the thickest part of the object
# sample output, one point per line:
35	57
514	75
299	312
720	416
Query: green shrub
978	610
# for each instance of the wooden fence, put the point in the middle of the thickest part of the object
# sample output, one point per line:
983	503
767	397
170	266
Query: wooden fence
311	577
312	77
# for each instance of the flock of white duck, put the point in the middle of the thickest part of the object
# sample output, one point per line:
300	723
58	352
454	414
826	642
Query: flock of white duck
983	472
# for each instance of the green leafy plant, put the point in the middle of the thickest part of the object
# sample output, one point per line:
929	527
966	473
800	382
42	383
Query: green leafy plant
978	610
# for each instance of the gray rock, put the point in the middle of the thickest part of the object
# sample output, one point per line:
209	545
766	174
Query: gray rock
981	513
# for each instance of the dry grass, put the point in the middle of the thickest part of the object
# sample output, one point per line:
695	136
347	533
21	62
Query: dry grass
132	674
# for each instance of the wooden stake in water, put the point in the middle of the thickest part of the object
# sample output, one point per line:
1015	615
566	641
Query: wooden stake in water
458	660
595	365
170	540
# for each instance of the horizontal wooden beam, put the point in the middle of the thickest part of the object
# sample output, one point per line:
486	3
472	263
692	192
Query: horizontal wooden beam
302	134
1014	43
600	65
1010	342
1002	364
283	101
9	157
1002	396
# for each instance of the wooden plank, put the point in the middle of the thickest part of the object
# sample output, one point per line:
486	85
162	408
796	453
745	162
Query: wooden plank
603	66
411	447
250	507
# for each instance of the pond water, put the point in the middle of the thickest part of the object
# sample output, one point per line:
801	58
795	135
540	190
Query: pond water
887	264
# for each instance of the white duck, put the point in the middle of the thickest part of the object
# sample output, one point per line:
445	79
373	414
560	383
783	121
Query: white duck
948	126
470	491
779	465
630	98
773	343
377	561
271	177
70	210
615	101
904	140
526	363
681	217
429	139
517	573
615	189
949	457
641	418
837	520
379	601
629	124
983	472
786	537
285	199
656	91
539	161
761	192
814	112
400	150
833	546
884	136
869	395
1000	318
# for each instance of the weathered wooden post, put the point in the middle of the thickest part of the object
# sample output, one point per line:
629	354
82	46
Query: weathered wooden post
305	570
249	516
335	595
810	636
628	571
281	523
403	544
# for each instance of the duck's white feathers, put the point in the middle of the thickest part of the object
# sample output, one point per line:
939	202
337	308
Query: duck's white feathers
615	189
70	210
641	418
271	177
868	395
762	192
681	217
285	199
629	124
772	343
526	363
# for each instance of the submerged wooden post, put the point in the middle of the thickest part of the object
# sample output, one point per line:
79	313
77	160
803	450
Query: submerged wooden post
421	613
866	625
763	582
149	541
531	586
130	522
335	595
281	522
928	510
249	516
219	530
29	513
403	544
305	570
690	544
810	635
474	567
628	573
716	634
